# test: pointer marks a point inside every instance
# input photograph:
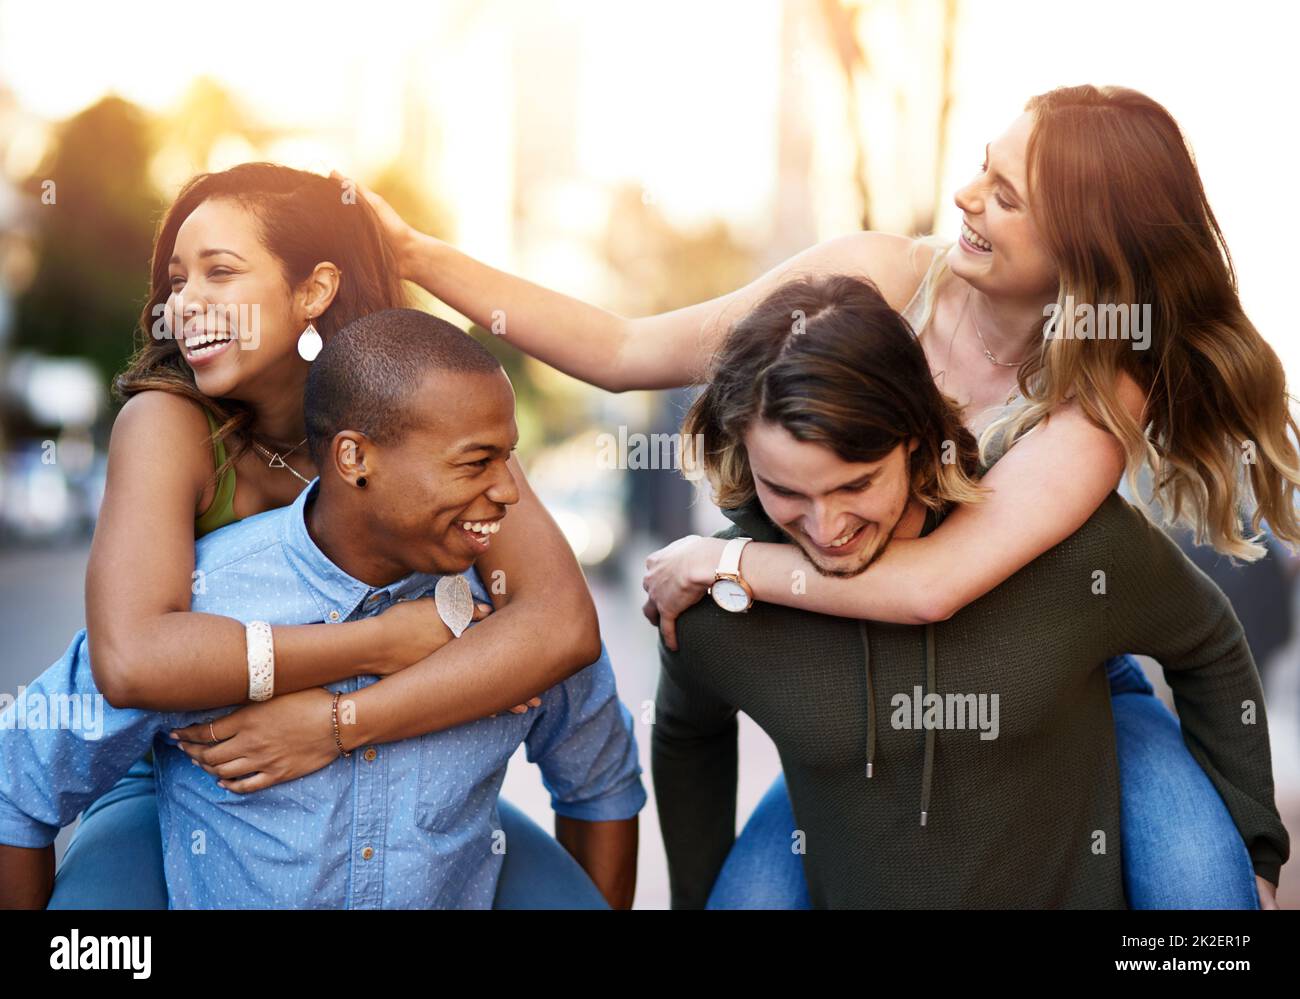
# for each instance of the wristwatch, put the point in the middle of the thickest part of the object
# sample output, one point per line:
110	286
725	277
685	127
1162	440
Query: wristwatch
729	591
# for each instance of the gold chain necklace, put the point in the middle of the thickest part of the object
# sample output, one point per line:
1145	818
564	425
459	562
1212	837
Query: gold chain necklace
942	376
953	339
987	353
276	460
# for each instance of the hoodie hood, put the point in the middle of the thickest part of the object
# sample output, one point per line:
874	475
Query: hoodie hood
753	522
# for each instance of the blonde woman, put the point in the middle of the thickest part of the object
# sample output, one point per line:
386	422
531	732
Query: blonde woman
1091	197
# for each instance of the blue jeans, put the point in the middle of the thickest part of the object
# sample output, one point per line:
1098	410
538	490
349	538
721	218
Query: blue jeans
114	860
1179	845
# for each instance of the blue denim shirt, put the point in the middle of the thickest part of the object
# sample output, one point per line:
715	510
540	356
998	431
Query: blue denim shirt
416	826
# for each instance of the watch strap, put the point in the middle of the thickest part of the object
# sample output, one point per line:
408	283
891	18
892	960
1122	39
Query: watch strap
729	564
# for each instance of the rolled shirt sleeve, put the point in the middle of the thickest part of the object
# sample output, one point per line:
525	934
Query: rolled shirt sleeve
584	743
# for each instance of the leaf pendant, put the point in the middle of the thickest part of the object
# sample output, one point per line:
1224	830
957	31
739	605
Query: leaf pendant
455	603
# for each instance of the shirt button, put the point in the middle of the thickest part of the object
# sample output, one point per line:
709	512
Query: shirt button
367	853
370	755
334	615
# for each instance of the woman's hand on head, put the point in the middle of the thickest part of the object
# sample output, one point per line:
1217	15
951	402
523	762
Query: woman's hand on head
676	577
399	233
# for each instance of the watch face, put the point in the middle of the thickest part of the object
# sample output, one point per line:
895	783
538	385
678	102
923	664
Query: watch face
730	595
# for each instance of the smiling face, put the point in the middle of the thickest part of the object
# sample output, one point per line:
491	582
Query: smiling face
999	249
840	513
231	308
437	494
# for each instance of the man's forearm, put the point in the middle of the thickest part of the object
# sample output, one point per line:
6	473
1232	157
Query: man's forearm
694	761
1164	607
1220	704
1159	604
493	666
606	851
695	780
26	876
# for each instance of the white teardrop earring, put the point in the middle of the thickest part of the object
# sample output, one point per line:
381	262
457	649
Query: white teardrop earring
309	343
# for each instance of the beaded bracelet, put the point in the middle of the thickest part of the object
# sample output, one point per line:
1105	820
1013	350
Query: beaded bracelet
334	714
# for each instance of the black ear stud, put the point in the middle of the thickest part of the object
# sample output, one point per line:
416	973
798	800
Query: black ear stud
361	482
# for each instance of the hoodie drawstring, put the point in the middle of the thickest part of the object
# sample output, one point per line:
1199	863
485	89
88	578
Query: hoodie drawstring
927	770
871	701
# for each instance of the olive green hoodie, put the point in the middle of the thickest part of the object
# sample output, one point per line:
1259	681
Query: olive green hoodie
1004	791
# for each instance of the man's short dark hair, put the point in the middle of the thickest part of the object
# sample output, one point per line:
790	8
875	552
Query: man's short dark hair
366	376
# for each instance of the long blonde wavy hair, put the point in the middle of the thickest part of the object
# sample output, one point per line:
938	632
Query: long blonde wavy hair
1117	198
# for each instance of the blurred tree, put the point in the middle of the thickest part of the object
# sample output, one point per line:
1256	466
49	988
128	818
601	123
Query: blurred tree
411	202
851	58
663	268
205	115
849	44
94	211
926	220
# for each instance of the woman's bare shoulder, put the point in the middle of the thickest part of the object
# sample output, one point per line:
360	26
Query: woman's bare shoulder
895	264
160	426
159	412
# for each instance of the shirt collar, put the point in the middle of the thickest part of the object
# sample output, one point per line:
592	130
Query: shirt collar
336	593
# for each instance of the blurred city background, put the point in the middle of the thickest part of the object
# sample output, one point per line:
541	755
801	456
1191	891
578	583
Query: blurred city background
640	156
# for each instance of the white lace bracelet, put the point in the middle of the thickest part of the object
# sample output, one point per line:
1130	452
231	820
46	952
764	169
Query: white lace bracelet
261	661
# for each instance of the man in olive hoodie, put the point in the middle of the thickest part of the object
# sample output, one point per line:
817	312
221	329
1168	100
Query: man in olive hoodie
966	763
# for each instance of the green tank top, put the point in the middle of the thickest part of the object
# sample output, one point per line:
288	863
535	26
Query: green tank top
221	511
